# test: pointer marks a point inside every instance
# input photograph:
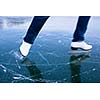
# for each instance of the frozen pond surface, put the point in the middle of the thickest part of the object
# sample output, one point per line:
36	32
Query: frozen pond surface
49	59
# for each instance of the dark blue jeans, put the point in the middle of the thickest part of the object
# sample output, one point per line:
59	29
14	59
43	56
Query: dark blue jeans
39	21
35	27
81	28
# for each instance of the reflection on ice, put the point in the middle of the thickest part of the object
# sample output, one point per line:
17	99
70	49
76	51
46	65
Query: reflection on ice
50	59
75	64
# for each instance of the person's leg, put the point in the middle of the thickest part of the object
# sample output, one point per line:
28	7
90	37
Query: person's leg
78	37
34	29
81	28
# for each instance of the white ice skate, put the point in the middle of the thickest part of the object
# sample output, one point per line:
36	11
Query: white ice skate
80	45
25	48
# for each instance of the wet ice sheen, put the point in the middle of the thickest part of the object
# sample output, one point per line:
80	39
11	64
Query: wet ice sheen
50	59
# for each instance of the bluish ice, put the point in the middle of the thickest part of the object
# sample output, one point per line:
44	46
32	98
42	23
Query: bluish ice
50	59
